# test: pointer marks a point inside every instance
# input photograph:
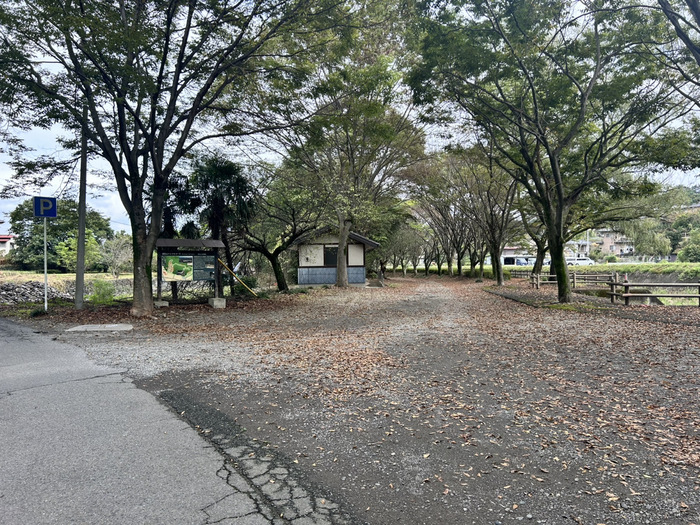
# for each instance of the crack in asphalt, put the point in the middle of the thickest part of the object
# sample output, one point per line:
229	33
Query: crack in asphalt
76	380
264	485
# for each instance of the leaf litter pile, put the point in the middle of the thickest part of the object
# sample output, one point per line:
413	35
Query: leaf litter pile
434	401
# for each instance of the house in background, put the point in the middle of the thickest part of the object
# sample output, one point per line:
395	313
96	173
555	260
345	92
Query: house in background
6	244
318	258
614	243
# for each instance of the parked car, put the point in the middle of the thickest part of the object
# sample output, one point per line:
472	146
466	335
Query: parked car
514	261
579	261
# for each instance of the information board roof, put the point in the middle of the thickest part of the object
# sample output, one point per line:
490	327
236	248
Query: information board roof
189	243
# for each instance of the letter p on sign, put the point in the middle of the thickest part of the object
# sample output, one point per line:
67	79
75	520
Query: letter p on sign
45	207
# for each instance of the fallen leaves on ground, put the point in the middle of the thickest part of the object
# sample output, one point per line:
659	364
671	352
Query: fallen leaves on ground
468	389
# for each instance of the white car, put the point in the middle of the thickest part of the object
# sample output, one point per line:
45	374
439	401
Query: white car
579	261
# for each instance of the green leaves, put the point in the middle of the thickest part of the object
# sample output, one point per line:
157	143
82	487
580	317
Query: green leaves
29	243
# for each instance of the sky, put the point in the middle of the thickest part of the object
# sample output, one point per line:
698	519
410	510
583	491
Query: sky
44	142
108	202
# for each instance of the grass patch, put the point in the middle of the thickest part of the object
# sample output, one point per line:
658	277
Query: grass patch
37	312
295	291
574	307
32	309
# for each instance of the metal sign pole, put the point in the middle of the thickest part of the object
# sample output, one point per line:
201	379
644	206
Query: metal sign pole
46	273
45	207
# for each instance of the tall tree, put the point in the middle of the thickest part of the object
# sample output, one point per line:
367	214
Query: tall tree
684	16
488	201
152	74
116	254
563	90
67	252
648	236
440	204
362	134
690	251
680	228
226	200
284	212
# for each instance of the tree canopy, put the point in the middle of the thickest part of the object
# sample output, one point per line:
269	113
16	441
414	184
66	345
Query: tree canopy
562	90
362	134
152	75
61	231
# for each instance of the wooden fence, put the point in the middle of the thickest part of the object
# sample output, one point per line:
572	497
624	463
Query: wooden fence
619	289
520	274
623	289
627	291
577	279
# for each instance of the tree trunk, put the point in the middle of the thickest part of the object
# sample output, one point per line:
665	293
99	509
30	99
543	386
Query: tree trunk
496	265
274	259
539	260
427	259
144	237
556	250
229	261
341	279
143	285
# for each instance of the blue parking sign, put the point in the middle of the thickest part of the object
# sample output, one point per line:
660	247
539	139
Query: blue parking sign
45	207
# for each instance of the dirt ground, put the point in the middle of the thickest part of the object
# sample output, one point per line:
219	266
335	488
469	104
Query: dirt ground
438	401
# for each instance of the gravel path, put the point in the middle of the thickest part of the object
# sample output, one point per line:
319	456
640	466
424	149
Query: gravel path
433	401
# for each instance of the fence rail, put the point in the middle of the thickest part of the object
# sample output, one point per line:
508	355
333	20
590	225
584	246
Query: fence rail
520	274
619	289
577	279
629	293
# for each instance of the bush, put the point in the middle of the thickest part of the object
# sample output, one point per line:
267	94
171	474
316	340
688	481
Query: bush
37	312
690	272
102	292
611	259
6	263
250	281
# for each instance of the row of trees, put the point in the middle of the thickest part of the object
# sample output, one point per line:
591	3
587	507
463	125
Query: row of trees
555	111
104	249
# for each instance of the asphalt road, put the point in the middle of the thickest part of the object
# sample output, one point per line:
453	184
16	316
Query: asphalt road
82	444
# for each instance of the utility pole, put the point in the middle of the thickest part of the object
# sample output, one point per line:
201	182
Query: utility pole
80	266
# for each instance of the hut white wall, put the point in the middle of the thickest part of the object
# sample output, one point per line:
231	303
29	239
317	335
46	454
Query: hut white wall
356	255
311	255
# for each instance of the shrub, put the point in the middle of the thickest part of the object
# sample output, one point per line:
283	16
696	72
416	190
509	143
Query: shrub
37	312
102	292
690	273
250	281
611	259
